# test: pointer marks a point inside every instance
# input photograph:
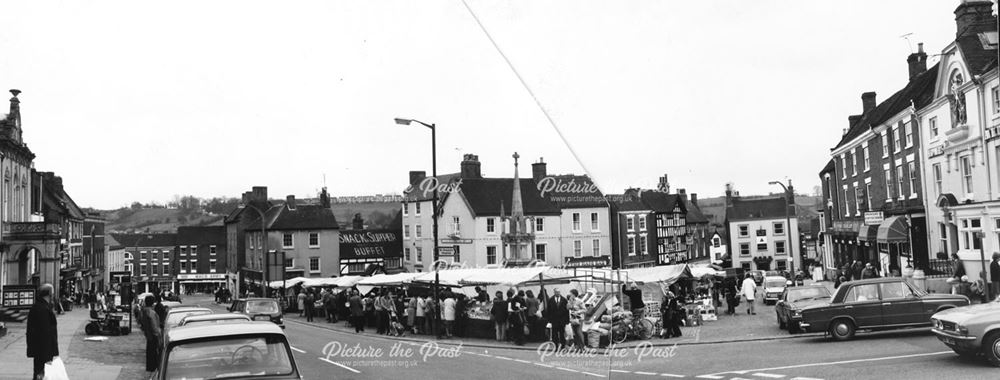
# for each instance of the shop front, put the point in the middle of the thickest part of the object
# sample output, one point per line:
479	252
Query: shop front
894	245
205	283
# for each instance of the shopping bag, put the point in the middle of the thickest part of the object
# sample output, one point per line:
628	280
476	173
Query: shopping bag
55	370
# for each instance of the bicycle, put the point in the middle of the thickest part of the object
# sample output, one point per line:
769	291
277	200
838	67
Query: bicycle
640	328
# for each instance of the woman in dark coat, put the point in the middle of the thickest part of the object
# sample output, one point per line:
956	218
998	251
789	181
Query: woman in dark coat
672	318
41	338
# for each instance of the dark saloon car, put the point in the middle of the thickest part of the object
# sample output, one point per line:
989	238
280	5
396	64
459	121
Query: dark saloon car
251	350
259	309
793	300
876	304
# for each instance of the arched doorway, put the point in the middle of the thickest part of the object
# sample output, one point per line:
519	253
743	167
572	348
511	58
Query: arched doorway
26	266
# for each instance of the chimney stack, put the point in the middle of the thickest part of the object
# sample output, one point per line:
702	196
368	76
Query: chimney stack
471	167
417	176
259	194
357	223
694	199
683	193
538	170
324	198
917	61
973	16
867	102
290	202
664	184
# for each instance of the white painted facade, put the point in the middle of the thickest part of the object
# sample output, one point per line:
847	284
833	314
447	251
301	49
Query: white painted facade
962	159
745	245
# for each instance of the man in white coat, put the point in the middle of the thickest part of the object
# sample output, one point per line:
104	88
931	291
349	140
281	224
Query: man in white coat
749	291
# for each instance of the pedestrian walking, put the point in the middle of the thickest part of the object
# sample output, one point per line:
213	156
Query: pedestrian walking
310	304
576	313
357	311
41	337
329	307
558	315
499	312
869	272
995	275
732	295
856	269
750	293
448	312
152	329
958	274
382	307
302	302
515	310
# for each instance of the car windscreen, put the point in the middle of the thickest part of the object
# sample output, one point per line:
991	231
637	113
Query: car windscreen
174	319
808	293
774	284
229	357
263	307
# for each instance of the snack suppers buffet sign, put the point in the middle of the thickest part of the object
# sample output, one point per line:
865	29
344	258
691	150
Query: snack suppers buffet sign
371	244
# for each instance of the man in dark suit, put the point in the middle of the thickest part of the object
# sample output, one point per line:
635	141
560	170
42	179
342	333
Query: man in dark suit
558	315
995	274
43	344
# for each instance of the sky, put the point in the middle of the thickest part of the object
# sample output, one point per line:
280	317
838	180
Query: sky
140	101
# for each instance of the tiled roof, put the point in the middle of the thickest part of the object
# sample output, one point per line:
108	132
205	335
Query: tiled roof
146	240
485	196
656	201
722	235
977	59
303	217
201	235
760	208
920	90
694	214
417	194
113	243
830	167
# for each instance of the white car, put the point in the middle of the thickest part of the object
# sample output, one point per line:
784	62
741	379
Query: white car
773	287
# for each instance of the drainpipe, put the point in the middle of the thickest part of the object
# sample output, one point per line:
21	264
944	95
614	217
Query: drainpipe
981	95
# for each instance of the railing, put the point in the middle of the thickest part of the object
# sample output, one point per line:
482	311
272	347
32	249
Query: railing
939	268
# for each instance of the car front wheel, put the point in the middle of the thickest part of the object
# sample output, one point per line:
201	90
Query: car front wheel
991	348
842	329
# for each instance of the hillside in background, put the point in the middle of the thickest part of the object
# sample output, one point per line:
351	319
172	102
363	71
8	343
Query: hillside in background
157	220
805	209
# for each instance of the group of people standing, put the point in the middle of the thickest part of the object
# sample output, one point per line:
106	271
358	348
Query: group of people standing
856	271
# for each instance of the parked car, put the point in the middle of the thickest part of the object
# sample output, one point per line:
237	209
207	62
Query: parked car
213	318
773	287
252	350
758	276
793	300
876	304
175	314
259	309
971	330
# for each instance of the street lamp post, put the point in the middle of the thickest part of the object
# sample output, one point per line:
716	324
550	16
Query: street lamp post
263	239
788	225
434	208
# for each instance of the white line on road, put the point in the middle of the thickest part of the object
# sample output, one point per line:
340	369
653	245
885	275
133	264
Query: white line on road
543	365
711	377
522	361
503	358
769	375
620	371
645	373
568	369
805	378
836	363
296	350
339	365
670	375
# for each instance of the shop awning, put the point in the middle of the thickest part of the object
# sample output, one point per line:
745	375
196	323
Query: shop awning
894	229
868	232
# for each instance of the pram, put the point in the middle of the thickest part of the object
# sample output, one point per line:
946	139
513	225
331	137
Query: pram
395	326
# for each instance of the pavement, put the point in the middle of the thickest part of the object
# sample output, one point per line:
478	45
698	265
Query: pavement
84	359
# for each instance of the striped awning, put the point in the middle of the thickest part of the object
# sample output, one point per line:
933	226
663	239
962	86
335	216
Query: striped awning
868	232
894	229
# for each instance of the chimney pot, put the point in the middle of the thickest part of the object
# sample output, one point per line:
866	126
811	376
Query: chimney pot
290	202
417	176
867	101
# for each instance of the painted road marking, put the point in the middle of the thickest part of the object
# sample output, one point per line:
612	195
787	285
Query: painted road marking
836	363
568	369
339	365
522	361
543	365
645	373
711	377
620	371
670	375
296	349
769	375
503	358
805	378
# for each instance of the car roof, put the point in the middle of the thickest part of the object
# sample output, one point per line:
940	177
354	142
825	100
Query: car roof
776	278
215	317
875	280
181	309
257	299
182	333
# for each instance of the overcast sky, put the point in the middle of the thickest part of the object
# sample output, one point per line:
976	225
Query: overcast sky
135	101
